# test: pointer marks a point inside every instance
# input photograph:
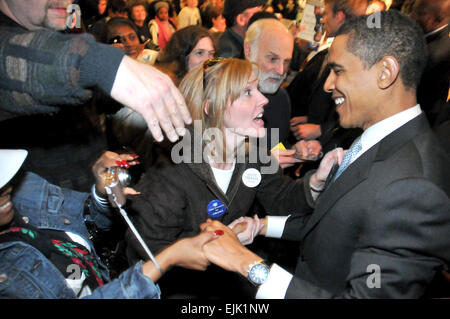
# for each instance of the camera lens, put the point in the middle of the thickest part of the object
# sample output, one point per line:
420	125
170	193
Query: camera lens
115	40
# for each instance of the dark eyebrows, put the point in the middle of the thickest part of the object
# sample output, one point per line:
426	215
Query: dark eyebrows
333	65
271	54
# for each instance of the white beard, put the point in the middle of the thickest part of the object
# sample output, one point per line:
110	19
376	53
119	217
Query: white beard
267	86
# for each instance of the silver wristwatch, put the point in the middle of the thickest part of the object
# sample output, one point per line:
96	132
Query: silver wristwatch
258	272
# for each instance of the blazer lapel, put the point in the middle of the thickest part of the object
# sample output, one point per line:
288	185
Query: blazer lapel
349	179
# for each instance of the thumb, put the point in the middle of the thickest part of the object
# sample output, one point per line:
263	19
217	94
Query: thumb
207	236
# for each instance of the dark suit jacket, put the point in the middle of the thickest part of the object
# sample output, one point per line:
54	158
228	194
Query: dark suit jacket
391	209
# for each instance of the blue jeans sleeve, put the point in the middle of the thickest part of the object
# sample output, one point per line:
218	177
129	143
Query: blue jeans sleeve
131	284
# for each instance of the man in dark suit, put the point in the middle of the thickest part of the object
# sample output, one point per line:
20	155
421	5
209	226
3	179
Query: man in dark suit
381	228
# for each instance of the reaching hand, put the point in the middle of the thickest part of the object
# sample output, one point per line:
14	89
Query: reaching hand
308	150
252	228
331	158
111	159
285	158
151	93
306	131
188	253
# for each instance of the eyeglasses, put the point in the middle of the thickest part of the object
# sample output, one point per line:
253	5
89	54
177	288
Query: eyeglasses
207	64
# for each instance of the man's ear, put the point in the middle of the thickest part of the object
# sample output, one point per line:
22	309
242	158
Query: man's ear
387	71
340	15
240	20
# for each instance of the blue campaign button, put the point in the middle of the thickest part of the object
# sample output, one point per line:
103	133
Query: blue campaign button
216	208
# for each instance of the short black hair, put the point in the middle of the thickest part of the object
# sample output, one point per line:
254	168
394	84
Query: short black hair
395	35
116	6
261	15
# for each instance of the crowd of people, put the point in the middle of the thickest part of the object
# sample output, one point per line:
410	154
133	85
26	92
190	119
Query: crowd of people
292	168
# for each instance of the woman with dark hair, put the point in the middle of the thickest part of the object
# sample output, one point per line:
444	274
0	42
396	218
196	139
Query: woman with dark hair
187	48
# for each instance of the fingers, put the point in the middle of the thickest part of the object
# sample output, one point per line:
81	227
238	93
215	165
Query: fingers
207	236
284	160
181	105
130	191
297	120
171	110
340	155
152	93
240	227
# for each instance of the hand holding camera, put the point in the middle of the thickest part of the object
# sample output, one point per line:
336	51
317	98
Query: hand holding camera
111	170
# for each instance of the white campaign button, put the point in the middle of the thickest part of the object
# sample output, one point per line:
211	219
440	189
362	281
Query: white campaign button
251	177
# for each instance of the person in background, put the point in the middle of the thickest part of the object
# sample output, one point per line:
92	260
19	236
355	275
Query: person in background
217	21
214	20
237	14
189	15
187	48
92	11
137	12
114	8
122	33
433	17
162	26
269	44
53	229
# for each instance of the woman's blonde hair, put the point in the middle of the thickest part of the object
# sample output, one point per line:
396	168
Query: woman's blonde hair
224	83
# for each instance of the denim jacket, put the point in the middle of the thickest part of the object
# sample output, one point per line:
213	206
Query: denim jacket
26	273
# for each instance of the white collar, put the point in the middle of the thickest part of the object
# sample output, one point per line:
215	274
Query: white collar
380	130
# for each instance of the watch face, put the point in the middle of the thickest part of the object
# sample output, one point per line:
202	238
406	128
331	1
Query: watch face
258	274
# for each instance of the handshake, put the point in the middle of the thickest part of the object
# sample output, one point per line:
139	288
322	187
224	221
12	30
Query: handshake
217	244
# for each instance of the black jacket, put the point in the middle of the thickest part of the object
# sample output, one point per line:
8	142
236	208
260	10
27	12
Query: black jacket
174	198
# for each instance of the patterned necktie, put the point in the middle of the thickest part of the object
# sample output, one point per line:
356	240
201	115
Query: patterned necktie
349	157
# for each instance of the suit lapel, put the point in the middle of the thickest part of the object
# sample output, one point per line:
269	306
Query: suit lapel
359	170
349	179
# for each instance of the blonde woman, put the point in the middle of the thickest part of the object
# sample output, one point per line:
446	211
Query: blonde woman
215	172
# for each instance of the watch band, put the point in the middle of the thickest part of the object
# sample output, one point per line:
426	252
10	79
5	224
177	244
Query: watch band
258	272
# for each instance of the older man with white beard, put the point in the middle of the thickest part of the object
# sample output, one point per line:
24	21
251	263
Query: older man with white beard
270	45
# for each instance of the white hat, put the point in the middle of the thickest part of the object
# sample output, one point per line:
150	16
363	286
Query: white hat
10	163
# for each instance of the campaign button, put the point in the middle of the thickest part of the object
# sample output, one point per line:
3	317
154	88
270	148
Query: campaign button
216	208
251	177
